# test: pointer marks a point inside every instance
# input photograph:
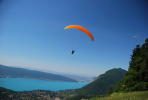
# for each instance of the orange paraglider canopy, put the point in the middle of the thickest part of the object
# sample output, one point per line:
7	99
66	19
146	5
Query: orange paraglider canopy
82	29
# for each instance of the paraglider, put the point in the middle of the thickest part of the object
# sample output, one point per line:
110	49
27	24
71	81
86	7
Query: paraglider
81	29
72	52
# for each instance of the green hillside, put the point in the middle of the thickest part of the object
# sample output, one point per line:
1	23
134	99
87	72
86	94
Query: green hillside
125	96
103	85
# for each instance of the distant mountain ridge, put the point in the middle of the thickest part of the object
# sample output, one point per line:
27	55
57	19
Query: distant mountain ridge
79	78
8	71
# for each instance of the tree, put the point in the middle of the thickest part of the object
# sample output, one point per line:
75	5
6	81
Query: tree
137	76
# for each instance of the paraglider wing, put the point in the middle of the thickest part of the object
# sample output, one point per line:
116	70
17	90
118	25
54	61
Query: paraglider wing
82	29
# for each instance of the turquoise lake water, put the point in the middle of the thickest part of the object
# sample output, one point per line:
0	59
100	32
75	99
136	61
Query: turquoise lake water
24	84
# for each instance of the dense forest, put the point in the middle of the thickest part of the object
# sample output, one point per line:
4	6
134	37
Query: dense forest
136	79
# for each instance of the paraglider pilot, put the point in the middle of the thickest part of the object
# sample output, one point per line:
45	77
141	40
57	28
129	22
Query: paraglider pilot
72	52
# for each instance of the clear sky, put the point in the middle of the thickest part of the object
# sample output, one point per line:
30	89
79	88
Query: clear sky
32	34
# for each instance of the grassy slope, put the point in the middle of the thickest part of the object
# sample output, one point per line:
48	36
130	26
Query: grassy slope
126	96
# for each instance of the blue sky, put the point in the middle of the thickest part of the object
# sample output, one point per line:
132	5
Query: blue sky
32	34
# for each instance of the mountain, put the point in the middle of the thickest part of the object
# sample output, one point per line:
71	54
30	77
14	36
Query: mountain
136	79
104	83
8	71
101	86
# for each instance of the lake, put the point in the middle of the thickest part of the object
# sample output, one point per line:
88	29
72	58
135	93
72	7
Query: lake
24	84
